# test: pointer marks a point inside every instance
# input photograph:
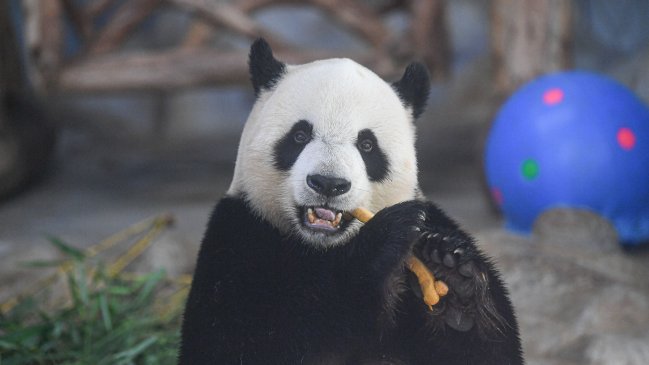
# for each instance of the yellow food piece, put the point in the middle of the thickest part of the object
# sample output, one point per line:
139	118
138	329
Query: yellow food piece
431	289
426	281
362	214
441	288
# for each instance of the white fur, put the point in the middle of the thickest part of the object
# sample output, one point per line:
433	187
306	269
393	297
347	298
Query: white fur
340	98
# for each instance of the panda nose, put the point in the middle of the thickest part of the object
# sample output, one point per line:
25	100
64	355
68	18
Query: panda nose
327	185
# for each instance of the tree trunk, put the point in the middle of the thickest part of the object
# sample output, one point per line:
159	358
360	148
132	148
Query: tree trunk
26	136
430	36
529	38
10	70
43	36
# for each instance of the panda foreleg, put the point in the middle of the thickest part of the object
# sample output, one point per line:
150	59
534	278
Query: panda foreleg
373	271
477	311
384	243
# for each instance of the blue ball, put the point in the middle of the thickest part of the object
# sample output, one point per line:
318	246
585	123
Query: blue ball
572	140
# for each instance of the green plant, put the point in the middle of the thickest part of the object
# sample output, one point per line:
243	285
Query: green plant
99	319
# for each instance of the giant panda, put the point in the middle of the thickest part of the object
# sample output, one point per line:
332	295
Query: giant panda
285	277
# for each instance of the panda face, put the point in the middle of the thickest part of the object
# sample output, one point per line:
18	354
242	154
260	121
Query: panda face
323	139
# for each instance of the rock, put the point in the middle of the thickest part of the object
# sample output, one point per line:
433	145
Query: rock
575	227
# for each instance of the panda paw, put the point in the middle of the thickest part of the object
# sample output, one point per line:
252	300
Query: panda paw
400	225
451	257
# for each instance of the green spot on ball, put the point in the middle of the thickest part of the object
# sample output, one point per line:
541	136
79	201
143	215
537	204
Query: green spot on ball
530	169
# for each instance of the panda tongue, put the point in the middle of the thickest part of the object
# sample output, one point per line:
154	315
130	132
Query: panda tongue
326	214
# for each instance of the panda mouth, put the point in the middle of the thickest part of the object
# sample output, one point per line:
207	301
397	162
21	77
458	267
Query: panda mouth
323	219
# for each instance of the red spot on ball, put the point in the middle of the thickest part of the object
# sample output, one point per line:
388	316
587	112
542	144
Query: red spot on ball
553	96
626	138
497	195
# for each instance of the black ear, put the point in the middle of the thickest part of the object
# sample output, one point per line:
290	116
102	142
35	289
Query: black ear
265	70
413	88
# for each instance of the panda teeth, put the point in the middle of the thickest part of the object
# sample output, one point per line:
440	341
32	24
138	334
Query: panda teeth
310	215
336	221
313	218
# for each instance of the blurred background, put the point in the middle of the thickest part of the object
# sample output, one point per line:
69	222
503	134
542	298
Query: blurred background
115	111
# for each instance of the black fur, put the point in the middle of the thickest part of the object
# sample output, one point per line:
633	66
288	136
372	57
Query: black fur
413	88
376	163
287	149
260	297
265	70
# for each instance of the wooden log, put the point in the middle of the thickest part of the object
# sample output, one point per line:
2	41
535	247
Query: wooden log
128	16
429	33
11	72
44	41
230	17
391	6
96	7
153	70
199	32
357	17
529	38
179	68
51	39
249	6
9	69
82	24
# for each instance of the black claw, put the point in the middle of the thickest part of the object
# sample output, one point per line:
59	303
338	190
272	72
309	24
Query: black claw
435	257
467	270
459	320
449	260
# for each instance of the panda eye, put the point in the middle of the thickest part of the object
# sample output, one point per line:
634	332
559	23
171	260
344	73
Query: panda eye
301	137
366	145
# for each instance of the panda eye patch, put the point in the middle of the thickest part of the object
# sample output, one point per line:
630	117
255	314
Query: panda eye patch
289	147
376	162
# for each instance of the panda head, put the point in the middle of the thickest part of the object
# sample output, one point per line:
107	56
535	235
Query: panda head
324	138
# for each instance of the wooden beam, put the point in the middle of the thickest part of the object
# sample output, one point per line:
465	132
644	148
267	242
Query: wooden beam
129	15
529	38
358	18
11	71
430	42
199	32
52	37
249	6
355	16
44	41
179	68
96	7
230	17
82	24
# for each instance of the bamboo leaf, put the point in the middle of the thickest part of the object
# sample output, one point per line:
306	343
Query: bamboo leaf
150	282
110	320
66	249
119	290
105	312
41	264
125	356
